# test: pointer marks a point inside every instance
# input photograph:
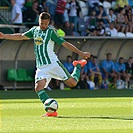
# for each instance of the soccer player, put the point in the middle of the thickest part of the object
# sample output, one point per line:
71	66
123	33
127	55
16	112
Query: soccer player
47	63
68	64
94	71
121	72
108	69
129	68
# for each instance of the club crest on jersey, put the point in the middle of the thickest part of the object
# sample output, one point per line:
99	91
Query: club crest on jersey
38	41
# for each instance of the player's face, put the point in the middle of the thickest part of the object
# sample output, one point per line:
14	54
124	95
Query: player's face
44	24
95	60
109	57
121	61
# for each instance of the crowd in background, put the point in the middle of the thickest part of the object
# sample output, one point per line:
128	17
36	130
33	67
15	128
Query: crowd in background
69	19
78	17
107	74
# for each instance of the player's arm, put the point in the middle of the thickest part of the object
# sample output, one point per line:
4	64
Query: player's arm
59	40
17	36
104	70
72	48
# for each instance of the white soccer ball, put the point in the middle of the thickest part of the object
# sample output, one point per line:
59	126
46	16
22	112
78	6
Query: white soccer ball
50	105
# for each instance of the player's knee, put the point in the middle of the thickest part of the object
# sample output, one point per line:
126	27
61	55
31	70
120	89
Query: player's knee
73	84
39	87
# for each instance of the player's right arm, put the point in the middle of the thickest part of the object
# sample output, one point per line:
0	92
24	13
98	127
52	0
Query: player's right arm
17	36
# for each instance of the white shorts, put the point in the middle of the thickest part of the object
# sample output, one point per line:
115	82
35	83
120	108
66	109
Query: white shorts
55	70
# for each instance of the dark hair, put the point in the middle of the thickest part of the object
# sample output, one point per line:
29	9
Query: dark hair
111	9
69	56
121	58
130	58
44	15
108	54
95	57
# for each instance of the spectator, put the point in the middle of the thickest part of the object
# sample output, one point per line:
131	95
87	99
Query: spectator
130	2
127	8
120	21
40	8
74	13
129	21
90	60
108	69
66	16
51	8
52	24
121	3
94	72
93	4
43	3
101	15
129	68
111	30
82	82
16	15
21	4
68	64
32	15
28	3
100	28
68	29
121	72
61	5
92	21
112	16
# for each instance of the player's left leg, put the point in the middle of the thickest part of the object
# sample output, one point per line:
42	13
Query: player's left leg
41	82
39	88
73	80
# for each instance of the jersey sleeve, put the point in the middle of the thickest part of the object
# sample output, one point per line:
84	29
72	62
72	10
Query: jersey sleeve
29	33
56	38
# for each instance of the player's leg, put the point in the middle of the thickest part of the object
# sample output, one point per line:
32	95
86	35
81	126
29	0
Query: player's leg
41	82
73	80
99	80
39	88
114	76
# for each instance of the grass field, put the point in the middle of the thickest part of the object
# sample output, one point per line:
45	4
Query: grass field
80	111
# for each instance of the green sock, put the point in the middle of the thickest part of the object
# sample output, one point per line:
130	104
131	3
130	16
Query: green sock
76	72
42	95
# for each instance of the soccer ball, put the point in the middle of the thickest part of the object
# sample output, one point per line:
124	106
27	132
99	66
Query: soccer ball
50	105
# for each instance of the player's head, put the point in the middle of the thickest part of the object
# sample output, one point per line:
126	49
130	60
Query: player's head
69	58
95	60
121	60
109	56
44	20
13	2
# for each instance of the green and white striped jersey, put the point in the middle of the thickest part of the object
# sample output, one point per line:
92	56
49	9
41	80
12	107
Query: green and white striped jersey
44	41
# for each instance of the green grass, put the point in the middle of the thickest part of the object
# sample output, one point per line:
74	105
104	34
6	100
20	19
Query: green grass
80	111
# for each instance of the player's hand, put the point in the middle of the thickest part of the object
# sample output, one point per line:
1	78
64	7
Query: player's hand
85	55
1	35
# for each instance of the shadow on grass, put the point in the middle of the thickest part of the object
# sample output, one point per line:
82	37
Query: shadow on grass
93	117
30	94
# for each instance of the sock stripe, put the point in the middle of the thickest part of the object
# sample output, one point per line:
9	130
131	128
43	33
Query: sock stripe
40	92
